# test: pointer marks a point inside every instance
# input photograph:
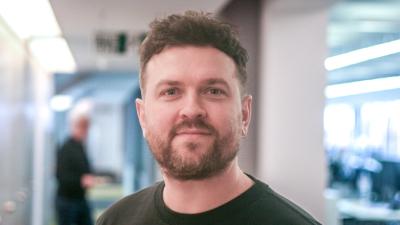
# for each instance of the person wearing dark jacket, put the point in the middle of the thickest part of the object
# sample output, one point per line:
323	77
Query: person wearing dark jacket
73	176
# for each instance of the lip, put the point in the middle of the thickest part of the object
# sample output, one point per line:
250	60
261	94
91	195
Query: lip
193	132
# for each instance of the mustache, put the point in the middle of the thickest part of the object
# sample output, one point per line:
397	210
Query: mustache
197	123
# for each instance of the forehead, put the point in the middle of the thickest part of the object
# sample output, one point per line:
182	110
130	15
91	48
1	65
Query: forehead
190	62
81	121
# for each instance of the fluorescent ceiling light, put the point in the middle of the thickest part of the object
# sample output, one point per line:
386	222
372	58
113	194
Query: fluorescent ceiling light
362	55
33	21
60	103
53	54
362	87
29	18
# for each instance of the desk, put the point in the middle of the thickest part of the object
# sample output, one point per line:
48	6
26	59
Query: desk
367	211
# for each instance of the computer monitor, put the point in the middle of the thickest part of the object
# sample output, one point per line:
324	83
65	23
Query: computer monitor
386	182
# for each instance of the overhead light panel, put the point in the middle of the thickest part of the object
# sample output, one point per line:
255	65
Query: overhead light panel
33	21
362	87
362	55
60	103
30	18
53	54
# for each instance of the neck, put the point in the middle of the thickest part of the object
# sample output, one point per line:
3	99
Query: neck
206	194
77	137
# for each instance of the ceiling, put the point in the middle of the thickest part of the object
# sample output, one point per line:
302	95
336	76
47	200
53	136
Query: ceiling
81	21
353	24
356	24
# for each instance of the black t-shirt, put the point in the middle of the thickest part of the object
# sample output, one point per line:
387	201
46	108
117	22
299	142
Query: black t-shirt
259	205
72	164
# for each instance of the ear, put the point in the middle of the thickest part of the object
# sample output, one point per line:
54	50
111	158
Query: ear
246	113
141	115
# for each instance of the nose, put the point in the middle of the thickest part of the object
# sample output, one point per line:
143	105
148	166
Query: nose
192	107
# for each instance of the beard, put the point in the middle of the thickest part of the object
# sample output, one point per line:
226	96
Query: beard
216	157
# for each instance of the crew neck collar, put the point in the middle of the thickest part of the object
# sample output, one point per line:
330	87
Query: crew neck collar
210	216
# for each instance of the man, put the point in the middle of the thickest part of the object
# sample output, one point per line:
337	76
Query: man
193	113
73	175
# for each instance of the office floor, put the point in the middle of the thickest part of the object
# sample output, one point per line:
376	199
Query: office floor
102	196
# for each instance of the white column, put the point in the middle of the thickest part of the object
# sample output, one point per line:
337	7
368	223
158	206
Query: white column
292	80
43	150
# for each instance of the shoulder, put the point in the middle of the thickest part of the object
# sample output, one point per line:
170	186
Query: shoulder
129	208
275	208
68	144
64	148
70	151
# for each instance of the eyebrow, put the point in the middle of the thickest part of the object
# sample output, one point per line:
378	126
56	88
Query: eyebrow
168	82
216	81
210	81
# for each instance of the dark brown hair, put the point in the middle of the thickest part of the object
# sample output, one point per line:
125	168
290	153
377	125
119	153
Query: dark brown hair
193	28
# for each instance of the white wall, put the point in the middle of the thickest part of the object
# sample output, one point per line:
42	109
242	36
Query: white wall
106	137
245	16
25	153
292	79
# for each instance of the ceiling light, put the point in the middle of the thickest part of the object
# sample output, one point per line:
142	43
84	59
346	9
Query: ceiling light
362	55
33	21
28	19
53	54
362	87
60	103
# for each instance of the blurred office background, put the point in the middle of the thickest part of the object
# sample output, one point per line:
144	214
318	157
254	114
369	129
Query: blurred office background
325	76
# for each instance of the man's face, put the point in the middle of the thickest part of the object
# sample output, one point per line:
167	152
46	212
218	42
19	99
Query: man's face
192	114
80	128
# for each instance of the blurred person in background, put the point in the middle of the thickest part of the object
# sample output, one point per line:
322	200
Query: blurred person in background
193	113
73	174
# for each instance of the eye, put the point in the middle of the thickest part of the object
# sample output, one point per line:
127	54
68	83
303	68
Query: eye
170	92
215	91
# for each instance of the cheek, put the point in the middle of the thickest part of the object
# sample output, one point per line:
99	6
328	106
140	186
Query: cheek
226	120
159	120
